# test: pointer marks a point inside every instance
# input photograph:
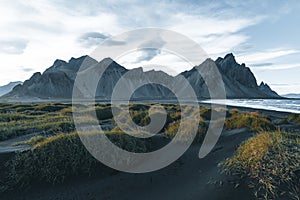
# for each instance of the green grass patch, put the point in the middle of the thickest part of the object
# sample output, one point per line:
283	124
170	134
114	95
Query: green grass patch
173	128
252	120
270	162
294	118
32	141
282	121
104	113
291	119
55	159
205	112
141	118
50	107
139	107
22	119
8	117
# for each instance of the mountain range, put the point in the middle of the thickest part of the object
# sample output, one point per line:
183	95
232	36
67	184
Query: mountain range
58	80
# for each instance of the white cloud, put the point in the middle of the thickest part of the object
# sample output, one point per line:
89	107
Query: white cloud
49	34
264	56
224	44
197	25
279	67
52	29
13	46
217	35
165	61
90	39
286	88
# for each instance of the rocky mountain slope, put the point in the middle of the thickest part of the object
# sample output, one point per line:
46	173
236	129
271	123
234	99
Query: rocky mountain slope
7	88
58	80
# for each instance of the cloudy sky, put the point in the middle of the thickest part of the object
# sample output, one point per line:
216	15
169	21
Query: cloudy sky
265	35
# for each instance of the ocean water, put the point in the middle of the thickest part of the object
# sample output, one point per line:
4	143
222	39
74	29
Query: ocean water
285	105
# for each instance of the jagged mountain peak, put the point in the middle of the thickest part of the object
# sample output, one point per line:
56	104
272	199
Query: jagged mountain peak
81	58
228	57
59	62
263	84
107	60
72	65
264	87
235	71
109	65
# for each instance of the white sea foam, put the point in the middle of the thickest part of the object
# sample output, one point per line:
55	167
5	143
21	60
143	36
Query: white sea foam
284	105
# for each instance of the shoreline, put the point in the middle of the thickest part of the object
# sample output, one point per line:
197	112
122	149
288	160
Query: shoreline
200	103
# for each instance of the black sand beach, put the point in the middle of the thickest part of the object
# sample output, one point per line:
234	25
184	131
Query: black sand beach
187	178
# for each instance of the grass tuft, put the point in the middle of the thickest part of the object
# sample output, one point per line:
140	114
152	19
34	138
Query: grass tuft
270	162
32	141
173	127
54	159
252	120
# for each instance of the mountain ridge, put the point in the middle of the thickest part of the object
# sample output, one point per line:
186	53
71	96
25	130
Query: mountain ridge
57	81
